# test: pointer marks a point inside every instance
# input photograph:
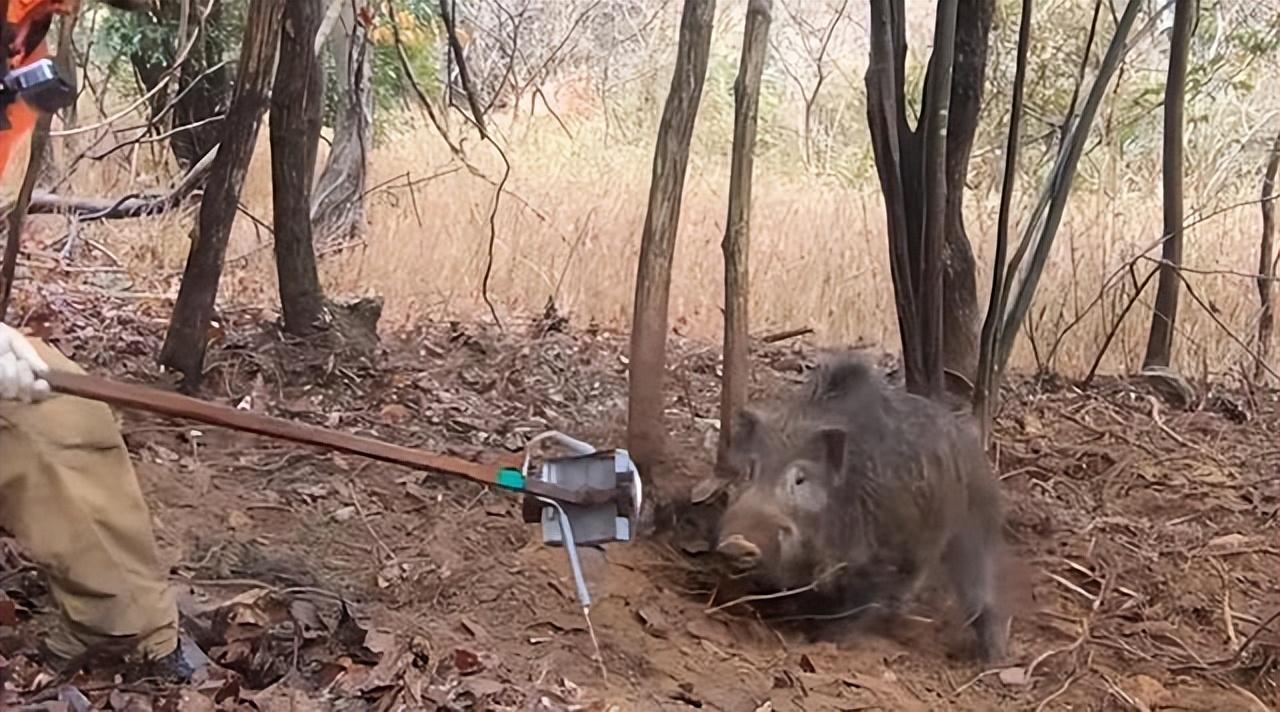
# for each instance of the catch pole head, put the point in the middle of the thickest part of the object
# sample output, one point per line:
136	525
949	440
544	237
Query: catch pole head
601	519
600	523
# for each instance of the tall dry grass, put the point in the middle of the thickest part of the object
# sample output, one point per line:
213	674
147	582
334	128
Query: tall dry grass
568	226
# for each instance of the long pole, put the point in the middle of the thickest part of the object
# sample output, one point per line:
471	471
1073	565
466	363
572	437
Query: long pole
503	471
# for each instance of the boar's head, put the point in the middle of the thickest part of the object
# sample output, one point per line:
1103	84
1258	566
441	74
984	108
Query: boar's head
790	469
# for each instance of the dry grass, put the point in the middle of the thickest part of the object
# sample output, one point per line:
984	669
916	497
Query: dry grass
569	230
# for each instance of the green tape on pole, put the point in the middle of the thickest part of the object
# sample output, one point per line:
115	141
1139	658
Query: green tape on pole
510	478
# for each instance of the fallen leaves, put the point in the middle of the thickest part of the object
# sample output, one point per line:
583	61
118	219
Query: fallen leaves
466	662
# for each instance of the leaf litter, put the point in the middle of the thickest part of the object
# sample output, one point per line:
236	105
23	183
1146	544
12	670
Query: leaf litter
1137	552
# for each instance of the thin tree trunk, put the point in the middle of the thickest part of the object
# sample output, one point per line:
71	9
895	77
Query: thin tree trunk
337	210
886	118
933	125
960	316
185	342
645	427
1165	314
737	233
1266	263
65	59
987	383
297	98
448	11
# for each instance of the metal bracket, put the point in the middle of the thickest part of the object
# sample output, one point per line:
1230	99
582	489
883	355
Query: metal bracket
573	525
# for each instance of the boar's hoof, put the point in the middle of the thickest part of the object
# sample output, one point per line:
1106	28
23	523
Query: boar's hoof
744	554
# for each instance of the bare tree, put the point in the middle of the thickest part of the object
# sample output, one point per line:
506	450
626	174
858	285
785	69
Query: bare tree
737	230
184	344
200	84
815	39
922	174
646	433
1165	313
1266	262
338	208
985	381
1026	265
297	99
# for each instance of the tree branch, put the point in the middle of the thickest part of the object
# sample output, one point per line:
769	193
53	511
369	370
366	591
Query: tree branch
129	206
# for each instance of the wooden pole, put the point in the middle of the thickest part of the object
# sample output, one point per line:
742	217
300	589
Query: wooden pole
495	472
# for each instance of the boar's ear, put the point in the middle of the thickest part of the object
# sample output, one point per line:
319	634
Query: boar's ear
839	375
831	443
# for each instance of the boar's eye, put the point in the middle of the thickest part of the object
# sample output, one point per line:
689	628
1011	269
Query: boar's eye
802	490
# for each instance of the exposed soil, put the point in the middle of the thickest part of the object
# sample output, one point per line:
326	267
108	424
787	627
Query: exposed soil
1145	541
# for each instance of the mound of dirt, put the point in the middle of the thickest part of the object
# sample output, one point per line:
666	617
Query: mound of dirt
1144	538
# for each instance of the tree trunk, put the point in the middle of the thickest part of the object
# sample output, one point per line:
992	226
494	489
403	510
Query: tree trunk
203	87
931	340
890	141
1165	313
960	316
184	344
297	99
645	428
737	233
987	382
932	134
1266	263
337	211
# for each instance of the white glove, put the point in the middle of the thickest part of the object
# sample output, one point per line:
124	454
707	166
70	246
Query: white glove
21	368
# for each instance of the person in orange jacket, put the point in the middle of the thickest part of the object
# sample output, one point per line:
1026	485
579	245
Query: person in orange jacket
68	491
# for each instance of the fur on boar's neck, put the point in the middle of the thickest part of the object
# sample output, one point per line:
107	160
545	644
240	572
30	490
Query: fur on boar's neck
893	444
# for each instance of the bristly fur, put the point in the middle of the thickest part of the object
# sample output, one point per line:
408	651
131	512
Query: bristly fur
838	374
911	492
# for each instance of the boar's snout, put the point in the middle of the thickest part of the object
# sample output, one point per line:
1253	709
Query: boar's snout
741	552
758	537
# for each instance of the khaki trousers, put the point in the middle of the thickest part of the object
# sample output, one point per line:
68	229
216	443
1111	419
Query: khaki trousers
69	494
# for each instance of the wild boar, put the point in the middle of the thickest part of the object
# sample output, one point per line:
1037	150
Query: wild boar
859	491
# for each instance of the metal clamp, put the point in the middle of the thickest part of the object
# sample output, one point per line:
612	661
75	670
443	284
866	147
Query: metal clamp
573	525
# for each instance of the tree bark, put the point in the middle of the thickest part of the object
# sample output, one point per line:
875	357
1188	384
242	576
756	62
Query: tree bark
337	210
934	139
912	187
1267	264
297	99
203	82
646	433
1165	314
960	316
184	344
987	382
890	139
737	233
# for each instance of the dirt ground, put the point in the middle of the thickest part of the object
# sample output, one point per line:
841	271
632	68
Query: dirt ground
1145	542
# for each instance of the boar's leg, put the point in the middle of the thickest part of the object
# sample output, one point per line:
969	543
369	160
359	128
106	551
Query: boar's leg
971	561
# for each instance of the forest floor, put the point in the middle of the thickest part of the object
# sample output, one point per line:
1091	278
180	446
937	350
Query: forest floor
1145	538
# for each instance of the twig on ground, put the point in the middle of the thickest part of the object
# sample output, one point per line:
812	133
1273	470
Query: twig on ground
779	594
1058	692
788	334
355	502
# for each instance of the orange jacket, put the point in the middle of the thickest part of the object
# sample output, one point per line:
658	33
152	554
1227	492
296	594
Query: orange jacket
28	22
